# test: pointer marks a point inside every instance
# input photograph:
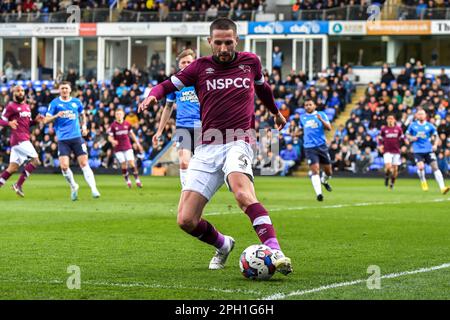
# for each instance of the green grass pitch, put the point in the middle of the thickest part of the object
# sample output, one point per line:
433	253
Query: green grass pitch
128	246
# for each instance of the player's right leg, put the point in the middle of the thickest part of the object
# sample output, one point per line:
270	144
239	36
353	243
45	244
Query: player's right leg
120	156
421	171
387	157
29	168
15	160
189	219
12	168
184	156
64	162
314	167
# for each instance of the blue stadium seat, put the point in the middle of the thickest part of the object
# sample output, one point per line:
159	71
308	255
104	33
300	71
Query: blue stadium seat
300	111
42	110
36	83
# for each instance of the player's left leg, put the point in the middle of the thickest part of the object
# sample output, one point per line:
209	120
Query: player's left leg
29	168
394	176
315	180
439	178
125	173
244	193
135	172
326	176
88	174
387	173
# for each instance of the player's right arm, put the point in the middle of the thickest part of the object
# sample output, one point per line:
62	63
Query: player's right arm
411	134
184	78
51	114
168	108
4	120
111	137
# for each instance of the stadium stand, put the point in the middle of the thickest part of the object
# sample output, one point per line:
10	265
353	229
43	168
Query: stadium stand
331	89
354	146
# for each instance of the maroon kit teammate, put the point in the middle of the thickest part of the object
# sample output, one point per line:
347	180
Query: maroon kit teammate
17	116
119	136
389	140
226	83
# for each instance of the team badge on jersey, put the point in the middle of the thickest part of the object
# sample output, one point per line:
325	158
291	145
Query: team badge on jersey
245	68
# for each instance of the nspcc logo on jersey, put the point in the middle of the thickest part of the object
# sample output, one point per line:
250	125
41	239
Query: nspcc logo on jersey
219	84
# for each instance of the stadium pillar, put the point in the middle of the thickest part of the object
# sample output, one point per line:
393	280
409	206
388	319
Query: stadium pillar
392	50
168	54
1	54
100	59
325	52
34	59
247	45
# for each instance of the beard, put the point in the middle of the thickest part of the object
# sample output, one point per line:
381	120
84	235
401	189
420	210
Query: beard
19	99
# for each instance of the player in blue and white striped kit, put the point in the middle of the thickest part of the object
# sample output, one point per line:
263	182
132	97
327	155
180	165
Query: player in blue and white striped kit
187	119
314	124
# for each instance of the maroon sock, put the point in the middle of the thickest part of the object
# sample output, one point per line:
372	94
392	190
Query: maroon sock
135	174
125	174
392	180
207	233
263	225
5	176
25	174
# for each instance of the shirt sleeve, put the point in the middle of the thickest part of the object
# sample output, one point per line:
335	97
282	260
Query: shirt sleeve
6	113
110	130
324	117
259	77
80	107
51	109
171	97
186	77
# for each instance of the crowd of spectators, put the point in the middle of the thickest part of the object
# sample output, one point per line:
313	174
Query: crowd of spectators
354	147
330	89
424	9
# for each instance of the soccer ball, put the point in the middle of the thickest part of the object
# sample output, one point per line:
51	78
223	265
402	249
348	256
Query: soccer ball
257	262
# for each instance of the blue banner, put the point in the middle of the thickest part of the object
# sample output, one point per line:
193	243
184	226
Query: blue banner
288	27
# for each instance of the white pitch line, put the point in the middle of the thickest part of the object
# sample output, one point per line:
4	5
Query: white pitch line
278	296
335	206
135	285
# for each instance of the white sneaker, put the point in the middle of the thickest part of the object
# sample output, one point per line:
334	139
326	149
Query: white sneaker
218	261
74	192
282	263
95	194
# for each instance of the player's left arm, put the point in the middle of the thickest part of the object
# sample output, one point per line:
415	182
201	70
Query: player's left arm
324	119
264	92
435	137
83	120
136	140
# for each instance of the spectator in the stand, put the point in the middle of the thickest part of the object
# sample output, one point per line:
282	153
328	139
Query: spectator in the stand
387	75
277	59
290	157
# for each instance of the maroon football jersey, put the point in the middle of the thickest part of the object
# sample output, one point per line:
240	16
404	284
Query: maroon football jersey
391	138
121	133
20	112
226	93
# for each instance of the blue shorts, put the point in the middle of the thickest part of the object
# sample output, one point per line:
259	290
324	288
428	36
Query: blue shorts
428	158
318	155
185	138
77	145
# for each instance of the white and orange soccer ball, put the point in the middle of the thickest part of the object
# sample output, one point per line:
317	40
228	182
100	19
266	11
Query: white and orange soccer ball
257	262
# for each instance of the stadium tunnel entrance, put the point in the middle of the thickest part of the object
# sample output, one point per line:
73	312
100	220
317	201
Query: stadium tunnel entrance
308	53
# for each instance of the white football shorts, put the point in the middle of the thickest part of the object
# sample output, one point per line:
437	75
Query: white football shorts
22	152
123	156
211	165
393	158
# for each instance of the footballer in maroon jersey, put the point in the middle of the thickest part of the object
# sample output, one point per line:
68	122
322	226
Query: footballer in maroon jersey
17	116
389	141
226	83
119	135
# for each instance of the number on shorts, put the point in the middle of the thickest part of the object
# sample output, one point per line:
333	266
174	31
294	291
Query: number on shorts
84	147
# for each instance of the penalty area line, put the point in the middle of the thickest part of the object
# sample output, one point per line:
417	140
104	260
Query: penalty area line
279	296
334	206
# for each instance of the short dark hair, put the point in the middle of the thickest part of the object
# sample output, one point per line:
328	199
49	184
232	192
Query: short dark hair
222	24
308	99
66	83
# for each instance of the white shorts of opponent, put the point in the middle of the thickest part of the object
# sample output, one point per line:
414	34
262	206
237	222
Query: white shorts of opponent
22	152
392	158
123	156
211	165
